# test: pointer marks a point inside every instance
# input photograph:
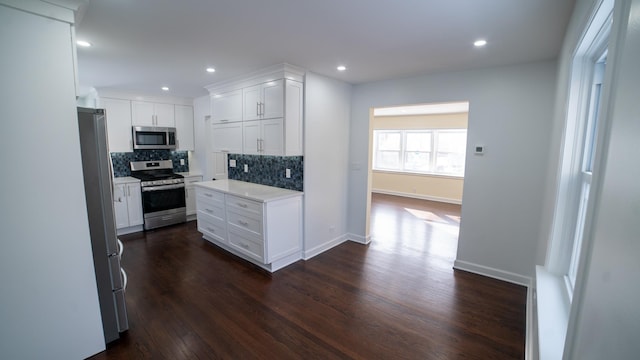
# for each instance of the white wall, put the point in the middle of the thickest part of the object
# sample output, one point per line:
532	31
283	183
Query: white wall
201	108
326	137
49	302
510	113
605	320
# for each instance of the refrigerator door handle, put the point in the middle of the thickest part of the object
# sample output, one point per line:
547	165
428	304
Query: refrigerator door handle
120	248
125	279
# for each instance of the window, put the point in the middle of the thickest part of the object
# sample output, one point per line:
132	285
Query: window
426	151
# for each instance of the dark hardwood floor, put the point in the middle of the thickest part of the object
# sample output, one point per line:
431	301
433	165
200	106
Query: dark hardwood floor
396	298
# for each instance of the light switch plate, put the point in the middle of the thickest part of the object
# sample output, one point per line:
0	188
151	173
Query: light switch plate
181	161
232	162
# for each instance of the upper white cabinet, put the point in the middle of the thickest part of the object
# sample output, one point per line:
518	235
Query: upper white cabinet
263	137
263	101
184	127
271	113
226	137
118	114
144	113
226	107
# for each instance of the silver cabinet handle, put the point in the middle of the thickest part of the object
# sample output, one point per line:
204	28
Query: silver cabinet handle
245	246
258	109
211	230
243	223
258	145
208	195
262	109
241	205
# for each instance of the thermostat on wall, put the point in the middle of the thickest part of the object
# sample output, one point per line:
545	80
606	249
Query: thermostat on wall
479	149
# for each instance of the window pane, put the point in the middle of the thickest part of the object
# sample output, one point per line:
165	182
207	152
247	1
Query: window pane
389	141
388	160
417	161
450	156
419	141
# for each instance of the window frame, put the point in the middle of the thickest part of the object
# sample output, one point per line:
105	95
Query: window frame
433	152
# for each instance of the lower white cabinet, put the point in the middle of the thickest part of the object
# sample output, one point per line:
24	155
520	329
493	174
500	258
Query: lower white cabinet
127	204
267	232
190	194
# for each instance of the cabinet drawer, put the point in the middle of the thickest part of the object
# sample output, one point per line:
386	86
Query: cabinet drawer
248	222
209	194
212	228
211	208
244	204
247	245
212	219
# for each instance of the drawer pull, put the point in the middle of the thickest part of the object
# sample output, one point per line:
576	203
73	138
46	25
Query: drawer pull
208	195
211	230
209	211
242	205
243	223
245	246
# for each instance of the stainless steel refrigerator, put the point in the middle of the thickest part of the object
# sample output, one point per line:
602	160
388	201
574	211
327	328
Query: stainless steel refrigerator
107	249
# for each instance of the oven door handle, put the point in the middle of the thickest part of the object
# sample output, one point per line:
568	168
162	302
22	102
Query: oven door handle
162	187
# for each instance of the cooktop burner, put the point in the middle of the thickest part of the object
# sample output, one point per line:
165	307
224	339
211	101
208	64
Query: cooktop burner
155	172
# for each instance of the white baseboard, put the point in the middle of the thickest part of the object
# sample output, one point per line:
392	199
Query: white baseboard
493	273
359	238
308	254
417	196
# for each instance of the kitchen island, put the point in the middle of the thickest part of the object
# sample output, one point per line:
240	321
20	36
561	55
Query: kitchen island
261	224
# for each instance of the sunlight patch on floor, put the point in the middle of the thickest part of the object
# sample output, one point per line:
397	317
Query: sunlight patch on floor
424	215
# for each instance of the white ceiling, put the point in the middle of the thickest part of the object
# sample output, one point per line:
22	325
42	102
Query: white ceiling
141	45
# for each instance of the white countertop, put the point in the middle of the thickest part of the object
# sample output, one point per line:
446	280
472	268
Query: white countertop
249	190
190	173
125	180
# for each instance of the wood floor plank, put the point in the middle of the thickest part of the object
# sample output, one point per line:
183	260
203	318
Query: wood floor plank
396	298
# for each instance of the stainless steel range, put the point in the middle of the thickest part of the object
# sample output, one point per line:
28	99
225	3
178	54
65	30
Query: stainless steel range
163	197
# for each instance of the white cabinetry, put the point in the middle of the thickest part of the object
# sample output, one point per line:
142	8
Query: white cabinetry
259	98
190	194
226	107
184	127
226	137
266	230
118	114
146	113
263	101
263	137
127	204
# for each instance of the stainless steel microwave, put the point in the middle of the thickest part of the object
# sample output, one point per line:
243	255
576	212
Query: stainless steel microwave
153	137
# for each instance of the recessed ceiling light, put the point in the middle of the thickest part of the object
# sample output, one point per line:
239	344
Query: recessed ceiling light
165	88
211	70
83	43
341	68
480	43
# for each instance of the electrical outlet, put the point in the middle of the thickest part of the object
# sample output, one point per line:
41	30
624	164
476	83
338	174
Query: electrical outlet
246	168
232	163
181	161
287	173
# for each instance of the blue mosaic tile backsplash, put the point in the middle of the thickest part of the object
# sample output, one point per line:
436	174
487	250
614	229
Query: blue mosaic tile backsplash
268	170
121	161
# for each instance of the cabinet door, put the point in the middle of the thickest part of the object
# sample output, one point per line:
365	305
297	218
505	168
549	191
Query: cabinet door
272	141
142	113
226	107
251	137
227	137
251	99
190	197
134	204
120	206
165	115
118	114
184	127
272	99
